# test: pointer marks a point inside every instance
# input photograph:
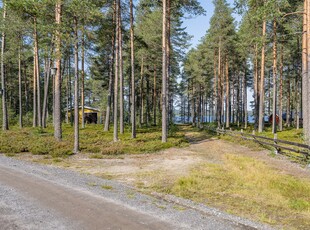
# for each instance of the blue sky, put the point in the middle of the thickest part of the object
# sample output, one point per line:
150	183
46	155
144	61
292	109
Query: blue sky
198	26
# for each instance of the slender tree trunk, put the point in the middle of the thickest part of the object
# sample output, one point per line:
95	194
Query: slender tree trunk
168	65
53	92
296	101
164	73
227	95
281	92
46	87
37	73
132	62
5	123
68	84
215	94
256	88
83	79
141	119
76	88
262	84
110	92
274	70
26	88
154	96
306	83
245	97
121	78
219	91
288	103
115	131
57	113
147	101
20	88
35	122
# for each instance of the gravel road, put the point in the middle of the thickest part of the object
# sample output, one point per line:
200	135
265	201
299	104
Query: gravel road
36	196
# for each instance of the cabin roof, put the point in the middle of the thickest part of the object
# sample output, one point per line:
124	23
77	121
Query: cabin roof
88	107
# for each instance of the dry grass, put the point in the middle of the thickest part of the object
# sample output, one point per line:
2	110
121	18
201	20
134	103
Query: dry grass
248	187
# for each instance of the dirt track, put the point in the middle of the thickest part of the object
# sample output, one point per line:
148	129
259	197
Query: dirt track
44	197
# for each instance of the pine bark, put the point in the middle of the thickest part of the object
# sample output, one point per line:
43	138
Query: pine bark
132	62
154	96
245	96
306	72
20	88
5	123
110	91
83	79
281	92
115	128
34	121
274	71
219	89
37	66
262	83
57	112
227	95
256	88
76	88
121	78
48	65
164	73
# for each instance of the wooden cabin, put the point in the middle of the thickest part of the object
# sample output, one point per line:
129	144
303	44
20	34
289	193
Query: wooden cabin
91	115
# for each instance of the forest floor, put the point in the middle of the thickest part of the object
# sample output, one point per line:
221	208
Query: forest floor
241	179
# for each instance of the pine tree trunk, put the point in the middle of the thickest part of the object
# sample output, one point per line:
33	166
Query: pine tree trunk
5	123
288	104
256	88
115	128
227	95
68	83
147	101
121	79
37	73
281	92
141	94
245	95
168	65
215	94
132	62
76	88
274	71
219	91
57	113
26	88
35	122
261	119
154	96
46	87
305	85
20	88
164	73
83	79
110	91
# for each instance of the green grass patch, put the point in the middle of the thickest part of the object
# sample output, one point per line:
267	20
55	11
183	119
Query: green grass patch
249	188
93	140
